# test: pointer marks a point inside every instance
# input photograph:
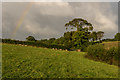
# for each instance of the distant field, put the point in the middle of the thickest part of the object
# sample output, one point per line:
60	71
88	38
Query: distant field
111	44
27	62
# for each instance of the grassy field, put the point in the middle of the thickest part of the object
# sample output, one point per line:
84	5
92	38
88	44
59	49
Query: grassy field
24	61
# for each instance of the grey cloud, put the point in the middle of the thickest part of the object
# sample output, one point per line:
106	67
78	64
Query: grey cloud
60	0
102	15
48	19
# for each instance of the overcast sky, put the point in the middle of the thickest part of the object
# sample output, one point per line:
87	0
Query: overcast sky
46	19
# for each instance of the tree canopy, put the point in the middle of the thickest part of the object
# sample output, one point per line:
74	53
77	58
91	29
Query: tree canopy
30	38
80	24
100	34
117	37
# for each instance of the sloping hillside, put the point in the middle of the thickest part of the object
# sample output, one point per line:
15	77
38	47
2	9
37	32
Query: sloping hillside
24	61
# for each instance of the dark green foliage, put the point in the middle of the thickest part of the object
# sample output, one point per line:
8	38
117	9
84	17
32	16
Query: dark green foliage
30	38
93	36
79	23
0	40
117	37
43	40
108	39
98	52
59	41
71	40
112	56
100	34
80	39
32	43
51	40
114	52
68	39
76	40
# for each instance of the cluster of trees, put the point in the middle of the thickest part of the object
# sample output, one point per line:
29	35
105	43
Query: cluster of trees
84	34
96	35
116	38
79	39
74	38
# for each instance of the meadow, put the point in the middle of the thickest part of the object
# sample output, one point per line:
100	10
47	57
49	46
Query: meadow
32	62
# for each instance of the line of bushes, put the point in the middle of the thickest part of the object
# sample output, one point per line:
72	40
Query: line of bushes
47	44
85	46
99	53
34	43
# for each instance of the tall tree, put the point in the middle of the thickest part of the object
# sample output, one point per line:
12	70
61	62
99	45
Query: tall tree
80	39
100	34
80	24
93	36
68	39
117	37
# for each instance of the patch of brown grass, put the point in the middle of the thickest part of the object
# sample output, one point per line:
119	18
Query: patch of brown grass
111	44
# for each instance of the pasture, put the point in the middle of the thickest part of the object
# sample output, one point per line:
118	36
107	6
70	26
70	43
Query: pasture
32	62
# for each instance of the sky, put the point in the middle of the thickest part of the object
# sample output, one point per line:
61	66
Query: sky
45	20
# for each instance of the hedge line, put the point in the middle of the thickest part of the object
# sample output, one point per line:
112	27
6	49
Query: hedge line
34	43
98	52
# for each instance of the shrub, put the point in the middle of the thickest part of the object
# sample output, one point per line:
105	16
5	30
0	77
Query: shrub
109	55
96	51
115	52
33	43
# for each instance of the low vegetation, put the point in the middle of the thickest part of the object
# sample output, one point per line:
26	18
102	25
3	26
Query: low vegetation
57	58
79	39
32	62
100	52
32	43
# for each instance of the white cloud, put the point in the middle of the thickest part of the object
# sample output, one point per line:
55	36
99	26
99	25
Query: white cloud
100	15
55	8
60	0
48	18
106	22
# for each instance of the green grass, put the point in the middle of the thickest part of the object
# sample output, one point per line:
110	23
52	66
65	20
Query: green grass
27	62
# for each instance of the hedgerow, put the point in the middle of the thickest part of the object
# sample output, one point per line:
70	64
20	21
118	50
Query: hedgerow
34	43
98	52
